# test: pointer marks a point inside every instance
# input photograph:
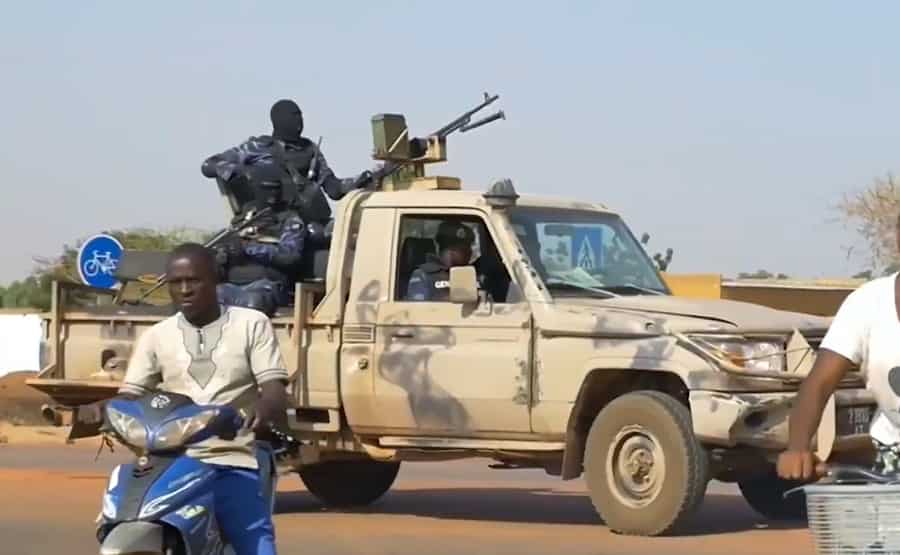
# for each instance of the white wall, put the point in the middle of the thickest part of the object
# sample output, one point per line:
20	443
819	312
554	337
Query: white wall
20	342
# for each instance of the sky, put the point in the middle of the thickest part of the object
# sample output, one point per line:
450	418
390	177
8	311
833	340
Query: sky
726	131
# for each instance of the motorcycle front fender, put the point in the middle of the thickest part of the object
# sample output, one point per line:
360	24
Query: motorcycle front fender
137	537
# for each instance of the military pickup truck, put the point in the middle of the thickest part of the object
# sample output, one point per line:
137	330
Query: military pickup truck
560	347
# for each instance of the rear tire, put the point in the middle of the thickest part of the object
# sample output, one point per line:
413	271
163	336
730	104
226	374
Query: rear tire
645	470
343	484
765	494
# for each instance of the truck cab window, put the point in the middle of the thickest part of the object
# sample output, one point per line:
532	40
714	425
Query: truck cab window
585	253
419	249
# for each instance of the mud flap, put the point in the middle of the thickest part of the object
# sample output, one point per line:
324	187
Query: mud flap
80	430
133	537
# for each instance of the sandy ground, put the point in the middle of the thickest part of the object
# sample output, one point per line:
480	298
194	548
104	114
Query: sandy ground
20	414
32	435
438	508
20	403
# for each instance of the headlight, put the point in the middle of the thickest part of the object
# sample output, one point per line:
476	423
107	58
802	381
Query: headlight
174	433
753	355
127	426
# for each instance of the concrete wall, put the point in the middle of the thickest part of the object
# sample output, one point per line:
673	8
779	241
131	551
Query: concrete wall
695	286
819	297
818	301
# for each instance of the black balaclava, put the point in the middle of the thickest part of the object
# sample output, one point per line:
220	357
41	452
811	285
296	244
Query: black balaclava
287	120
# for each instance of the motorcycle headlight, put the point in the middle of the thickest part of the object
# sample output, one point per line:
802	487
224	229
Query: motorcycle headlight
174	433
128	427
753	355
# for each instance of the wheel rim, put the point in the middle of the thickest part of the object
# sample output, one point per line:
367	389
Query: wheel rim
635	466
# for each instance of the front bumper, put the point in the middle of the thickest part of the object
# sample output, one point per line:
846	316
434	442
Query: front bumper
760	420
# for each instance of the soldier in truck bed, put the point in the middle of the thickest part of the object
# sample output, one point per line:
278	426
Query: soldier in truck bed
259	269
286	147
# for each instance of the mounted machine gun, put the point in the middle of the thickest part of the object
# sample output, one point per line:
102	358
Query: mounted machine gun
405	158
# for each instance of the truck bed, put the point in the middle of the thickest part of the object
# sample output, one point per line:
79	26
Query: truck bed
89	345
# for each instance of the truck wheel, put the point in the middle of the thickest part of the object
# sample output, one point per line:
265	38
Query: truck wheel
645	470
765	494
344	484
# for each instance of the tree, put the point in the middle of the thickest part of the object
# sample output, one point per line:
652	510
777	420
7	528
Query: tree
31	292
34	290
873	214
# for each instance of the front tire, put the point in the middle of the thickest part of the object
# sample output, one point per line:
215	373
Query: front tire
343	484
645	470
765	494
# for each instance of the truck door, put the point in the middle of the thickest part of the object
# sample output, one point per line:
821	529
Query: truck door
445	368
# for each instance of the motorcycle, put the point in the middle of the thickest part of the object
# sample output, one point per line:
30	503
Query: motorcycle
853	509
163	502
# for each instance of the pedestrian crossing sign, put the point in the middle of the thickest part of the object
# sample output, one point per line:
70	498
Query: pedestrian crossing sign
587	248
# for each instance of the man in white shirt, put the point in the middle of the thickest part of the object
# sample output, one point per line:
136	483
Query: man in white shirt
865	333
217	354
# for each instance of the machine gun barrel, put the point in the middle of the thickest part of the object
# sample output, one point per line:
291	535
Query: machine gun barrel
461	124
483	121
465	118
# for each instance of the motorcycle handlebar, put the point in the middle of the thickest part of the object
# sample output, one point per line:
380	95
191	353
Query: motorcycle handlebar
847	472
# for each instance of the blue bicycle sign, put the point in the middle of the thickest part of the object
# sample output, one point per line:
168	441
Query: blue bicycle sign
98	259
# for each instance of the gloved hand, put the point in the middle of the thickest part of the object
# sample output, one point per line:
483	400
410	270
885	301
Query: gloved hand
208	169
363	180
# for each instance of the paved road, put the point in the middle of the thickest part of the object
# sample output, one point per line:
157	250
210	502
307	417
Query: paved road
50	495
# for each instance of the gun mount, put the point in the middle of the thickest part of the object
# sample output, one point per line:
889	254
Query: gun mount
405	158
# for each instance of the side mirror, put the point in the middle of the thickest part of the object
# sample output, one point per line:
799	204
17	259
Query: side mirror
463	285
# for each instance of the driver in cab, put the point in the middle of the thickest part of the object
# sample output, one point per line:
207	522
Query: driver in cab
431	280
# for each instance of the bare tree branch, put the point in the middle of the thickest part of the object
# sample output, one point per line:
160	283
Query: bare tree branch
872	213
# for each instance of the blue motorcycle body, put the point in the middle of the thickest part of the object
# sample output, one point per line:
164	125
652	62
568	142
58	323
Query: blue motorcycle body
163	502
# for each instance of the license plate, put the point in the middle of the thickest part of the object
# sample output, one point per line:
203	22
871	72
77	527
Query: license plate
854	420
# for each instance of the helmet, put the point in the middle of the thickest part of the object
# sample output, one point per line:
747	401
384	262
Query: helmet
454	233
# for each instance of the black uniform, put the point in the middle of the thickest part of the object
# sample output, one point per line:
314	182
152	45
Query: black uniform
260	273
286	148
430	281
274	171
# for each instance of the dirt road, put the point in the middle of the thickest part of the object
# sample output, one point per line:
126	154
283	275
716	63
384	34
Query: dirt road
51	494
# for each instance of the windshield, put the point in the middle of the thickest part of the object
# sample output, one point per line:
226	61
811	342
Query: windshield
585	253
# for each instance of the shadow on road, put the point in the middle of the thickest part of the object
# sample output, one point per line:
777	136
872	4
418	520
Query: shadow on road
720	514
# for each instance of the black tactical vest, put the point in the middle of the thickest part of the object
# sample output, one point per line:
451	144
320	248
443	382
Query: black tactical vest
307	197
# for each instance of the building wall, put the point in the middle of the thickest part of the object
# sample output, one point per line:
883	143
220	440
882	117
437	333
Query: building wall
819	297
20	342
821	302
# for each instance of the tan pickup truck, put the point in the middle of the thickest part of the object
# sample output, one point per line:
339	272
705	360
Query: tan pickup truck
560	348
